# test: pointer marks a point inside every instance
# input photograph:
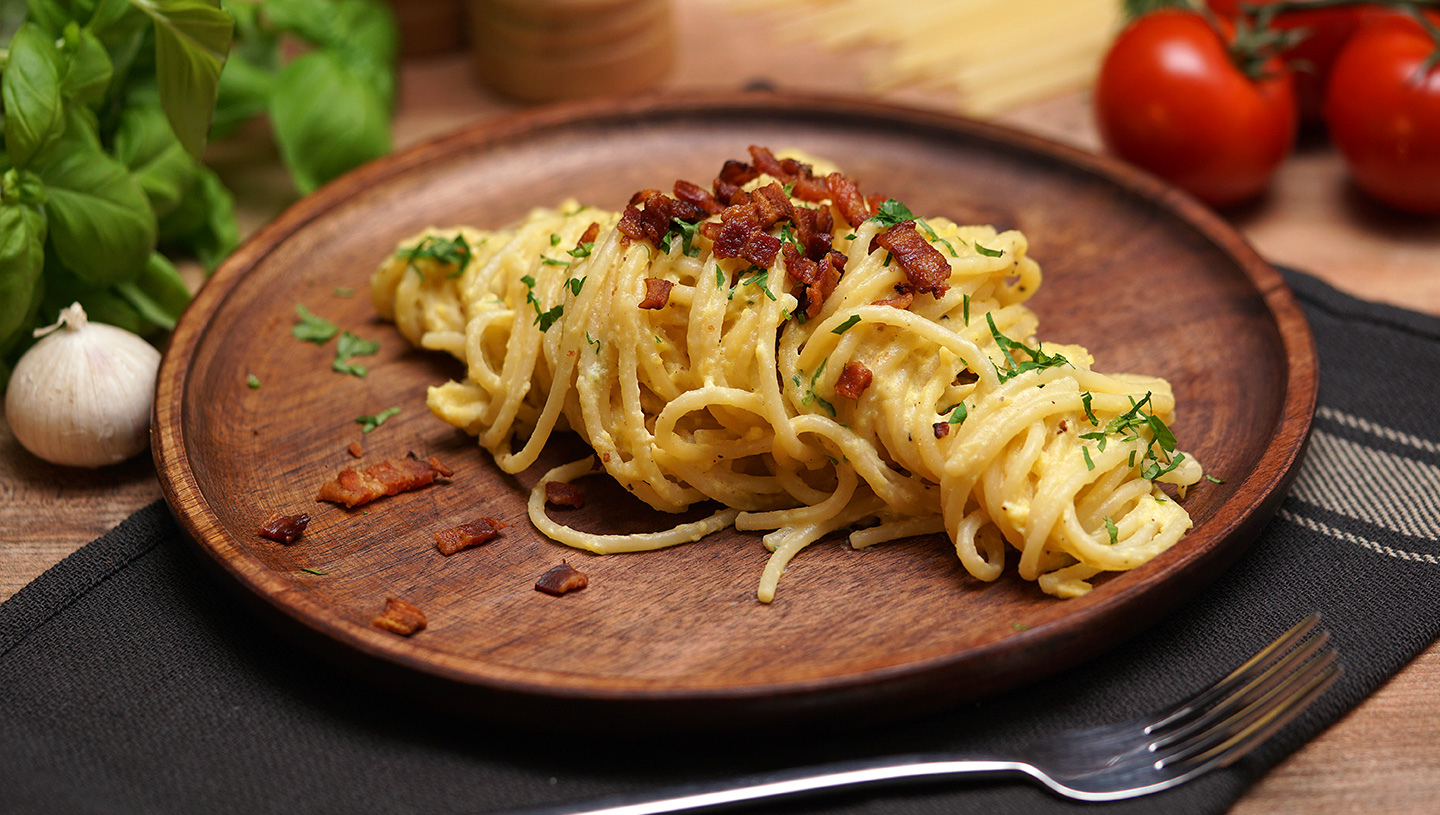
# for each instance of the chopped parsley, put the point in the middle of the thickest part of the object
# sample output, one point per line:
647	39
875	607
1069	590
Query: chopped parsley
959	414
594	342
313	571
552	262
312	328
575	284
761	278
719	277
892	212
847	325
582	250
987	251
810	394
967	309
344	291
1213	480
444	251
1089	462
1038	359
369	423
554	239
352	346
1112	530
543	318
252	381
687	232
1085	399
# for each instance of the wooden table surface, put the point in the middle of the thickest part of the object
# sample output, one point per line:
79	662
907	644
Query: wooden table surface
1380	758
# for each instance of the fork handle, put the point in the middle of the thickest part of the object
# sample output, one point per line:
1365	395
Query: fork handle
781	783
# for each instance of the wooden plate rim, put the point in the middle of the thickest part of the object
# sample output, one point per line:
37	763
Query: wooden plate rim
1220	542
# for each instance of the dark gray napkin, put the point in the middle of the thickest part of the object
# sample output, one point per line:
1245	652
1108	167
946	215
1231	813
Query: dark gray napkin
130	683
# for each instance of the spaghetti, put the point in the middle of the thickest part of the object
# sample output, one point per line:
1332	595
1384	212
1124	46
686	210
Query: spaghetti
853	391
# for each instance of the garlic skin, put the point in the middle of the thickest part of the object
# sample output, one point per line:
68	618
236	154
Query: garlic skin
81	397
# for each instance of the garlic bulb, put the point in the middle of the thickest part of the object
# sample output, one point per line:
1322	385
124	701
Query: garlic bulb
82	395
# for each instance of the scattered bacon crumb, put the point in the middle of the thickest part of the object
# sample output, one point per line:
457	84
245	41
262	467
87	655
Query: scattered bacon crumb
563	494
902	299
1063	426
698	197
853	380
561	580
942	429
657	293
355	449
353	487
591	233
471	533
848	199
284	528
925	268
399	617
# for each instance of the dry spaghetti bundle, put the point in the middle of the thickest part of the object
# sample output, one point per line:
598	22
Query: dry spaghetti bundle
811	359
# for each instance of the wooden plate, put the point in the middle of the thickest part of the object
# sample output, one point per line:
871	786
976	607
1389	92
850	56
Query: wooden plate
1144	276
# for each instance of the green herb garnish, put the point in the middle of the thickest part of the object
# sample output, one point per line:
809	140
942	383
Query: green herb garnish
1213	480
1113	531
352	346
312	328
847	325
987	251
1038	359
959	414
313	571
453	252
1089	463
252	381
369	423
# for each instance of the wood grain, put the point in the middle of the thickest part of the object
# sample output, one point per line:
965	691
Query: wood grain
675	637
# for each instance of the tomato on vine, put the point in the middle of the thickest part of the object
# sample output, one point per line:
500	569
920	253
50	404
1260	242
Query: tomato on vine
1172	99
1382	106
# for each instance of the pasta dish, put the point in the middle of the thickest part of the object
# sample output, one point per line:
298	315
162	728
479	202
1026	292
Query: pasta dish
812	359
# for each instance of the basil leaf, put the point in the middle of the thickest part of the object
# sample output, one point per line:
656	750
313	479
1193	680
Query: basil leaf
87	76
146	145
50	15
204	223
245	90
327	119
159	294
22	257
30	89
192	38
101	225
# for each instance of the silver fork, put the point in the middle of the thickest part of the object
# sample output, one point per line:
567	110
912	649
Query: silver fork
1148	754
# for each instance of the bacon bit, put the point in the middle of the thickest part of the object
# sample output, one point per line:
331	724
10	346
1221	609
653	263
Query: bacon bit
848	200
874	201
812	229
563	494
902	299
284	528
772	205
828	276
925	268
353	487
591	233
400	618
766	162
761	249
561	580
355	449
799	267
737	224
698	197
942	429
853	380
650	214
809	188
657	292
736	173
472	533
1062	427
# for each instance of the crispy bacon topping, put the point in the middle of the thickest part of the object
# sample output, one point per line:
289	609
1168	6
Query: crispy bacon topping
355	449
942	429
736	173
563	494
400	618
902	299
657	292
353	487
591	233
772	205
848	199
561	580
698	197
925	268
471	533
853	380
284	528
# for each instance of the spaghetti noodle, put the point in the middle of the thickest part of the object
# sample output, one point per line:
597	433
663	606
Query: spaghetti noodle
807	396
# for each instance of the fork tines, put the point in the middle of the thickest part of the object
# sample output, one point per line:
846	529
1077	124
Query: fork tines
1239	712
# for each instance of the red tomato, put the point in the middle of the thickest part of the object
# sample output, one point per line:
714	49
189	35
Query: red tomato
1384	113
1170	100
1326	32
